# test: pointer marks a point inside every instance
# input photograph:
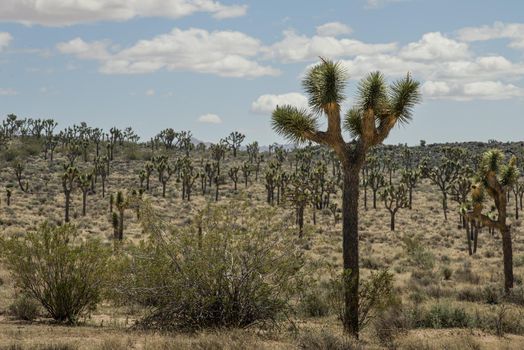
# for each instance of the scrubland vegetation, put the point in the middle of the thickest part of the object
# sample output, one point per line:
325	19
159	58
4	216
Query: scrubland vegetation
112	242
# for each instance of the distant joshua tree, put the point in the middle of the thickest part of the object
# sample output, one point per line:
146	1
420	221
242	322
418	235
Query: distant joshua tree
379	108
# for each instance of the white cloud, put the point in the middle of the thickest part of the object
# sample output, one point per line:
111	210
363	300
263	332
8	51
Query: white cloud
96	50
223	53
435	46
485	90
373	4
8	92
333	29
295	47
265	104
150	92
5	40
210	119
497	30
70	12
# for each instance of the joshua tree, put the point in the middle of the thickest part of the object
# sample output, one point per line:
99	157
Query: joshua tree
68	184
518	192
494	179
298	195
252	151
121	204
379	108
444	174
234	140
165	170
8	194
148	168
247	167
335	211
233	175
375	178
19	169
395	198
410	178
84	182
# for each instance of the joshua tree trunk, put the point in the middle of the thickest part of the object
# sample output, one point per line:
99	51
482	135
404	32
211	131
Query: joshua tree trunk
84	202
468	234
410	197
392	223
475	235
300	221
350	246
508	259
445	205
121	225
67	200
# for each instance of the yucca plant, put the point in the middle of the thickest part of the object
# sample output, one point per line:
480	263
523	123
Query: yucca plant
378	109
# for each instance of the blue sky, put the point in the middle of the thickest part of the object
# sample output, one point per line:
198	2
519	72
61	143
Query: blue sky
214	67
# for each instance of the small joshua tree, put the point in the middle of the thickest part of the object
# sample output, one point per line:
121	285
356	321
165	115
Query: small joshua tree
493	180
410	178
19	169
233	175
234	140
444	174
84	182
8	194
148	168
298	195
68	185
247	168
518	192
121	204
165	171
375	178
395	198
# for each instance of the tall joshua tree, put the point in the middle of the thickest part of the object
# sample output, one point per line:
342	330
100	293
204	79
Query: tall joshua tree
494	179
379	108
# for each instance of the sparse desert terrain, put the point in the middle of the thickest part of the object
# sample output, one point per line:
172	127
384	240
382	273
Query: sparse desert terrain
445	298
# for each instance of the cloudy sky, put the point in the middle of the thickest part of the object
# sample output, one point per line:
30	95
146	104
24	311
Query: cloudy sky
217	66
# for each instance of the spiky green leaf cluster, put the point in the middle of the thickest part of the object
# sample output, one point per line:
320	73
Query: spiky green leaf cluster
292	123
324	85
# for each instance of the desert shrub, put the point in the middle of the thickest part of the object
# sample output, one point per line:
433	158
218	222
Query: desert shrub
376	294
455	343
470	294
55	268
440	315
390	324
516	296
465	274
500	319
236	266
447	272
492	294
314	303
325	340
24	308
417	252
40	347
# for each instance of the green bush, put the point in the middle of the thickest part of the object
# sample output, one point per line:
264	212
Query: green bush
324	340
24	308
417	253
376	294
314	304
236	266
55	268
